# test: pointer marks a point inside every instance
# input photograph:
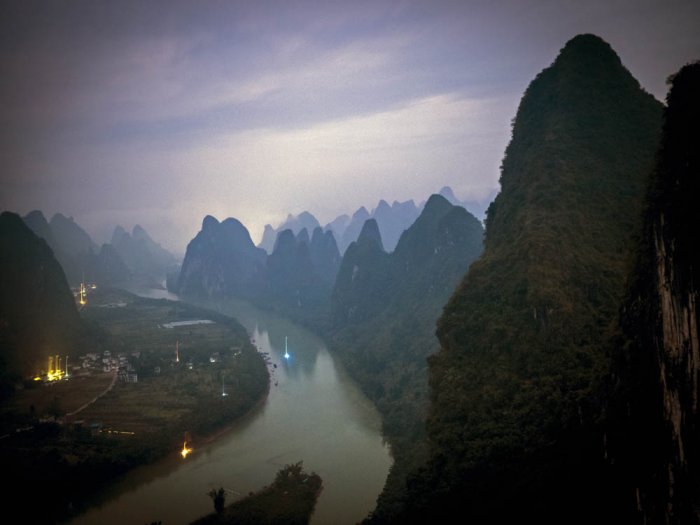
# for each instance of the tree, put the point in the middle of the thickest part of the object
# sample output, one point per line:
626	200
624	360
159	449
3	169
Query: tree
219	498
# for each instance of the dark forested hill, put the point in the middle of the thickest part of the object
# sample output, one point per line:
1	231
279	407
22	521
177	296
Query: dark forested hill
38	316
78	255
654	418
300	274
295	279
515	387
384	311
221	260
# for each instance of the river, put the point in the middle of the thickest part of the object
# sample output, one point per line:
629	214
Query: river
314	413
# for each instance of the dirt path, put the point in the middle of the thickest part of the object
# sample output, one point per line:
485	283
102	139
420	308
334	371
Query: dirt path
111	385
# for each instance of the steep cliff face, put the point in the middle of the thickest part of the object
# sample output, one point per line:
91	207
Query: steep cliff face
655	422
222	260
385	307
38	315
515	398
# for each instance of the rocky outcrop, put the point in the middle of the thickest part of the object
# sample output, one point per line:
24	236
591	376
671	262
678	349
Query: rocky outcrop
655	417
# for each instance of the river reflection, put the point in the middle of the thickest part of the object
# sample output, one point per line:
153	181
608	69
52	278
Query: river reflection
314	413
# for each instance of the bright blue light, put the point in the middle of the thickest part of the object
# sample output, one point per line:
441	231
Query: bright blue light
286	355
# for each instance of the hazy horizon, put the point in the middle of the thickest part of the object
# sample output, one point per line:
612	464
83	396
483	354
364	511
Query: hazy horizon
161	113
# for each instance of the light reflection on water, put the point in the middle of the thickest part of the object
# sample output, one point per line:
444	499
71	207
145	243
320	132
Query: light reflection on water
314	413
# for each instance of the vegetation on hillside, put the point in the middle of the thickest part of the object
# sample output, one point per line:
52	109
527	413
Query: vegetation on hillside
516	387
384	311
38	314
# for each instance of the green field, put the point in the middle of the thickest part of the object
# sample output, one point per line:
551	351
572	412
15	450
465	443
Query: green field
60	397
184	395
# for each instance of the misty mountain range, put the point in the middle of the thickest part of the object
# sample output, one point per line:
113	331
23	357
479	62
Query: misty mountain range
392	221
129	258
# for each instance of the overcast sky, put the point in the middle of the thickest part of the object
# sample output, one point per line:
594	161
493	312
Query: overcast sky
159	113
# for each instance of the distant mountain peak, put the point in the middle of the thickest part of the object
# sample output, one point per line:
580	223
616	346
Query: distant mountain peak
285	241
447	192
360	213
591	45
437	202
232	221
305	220
587	59
306	216
139	233
220	259
383	206
40	226
36	215
303	236
370	233
209	222
118	234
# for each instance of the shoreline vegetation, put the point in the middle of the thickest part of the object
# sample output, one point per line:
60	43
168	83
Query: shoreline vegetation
290	499
180	375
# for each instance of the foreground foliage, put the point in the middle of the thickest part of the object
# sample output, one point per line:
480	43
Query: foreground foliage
289	500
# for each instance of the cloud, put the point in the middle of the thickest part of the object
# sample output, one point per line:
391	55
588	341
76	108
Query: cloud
170	79
406	152
256	109
260	175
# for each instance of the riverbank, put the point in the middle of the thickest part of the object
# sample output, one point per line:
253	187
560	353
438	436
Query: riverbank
314	411
174	381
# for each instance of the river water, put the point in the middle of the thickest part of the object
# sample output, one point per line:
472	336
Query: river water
314	413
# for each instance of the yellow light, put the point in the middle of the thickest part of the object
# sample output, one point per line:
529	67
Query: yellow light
82	301
37	378
185	450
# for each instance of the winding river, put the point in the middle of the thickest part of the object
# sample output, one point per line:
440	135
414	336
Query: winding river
314	413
